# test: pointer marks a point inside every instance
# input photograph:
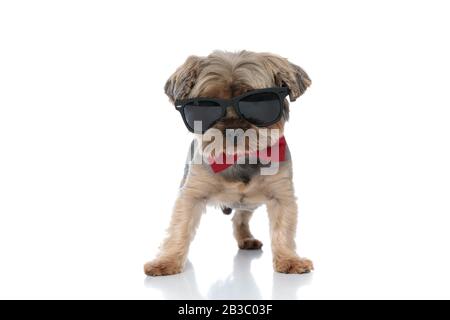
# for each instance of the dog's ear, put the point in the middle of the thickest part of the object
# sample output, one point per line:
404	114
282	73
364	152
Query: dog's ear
183	80
287	74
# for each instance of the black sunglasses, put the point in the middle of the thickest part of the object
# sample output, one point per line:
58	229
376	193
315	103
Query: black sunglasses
261	107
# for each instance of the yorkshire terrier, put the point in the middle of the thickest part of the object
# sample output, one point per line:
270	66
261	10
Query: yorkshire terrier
236	105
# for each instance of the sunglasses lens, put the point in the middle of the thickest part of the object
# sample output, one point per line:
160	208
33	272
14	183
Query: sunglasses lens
261	108
205	112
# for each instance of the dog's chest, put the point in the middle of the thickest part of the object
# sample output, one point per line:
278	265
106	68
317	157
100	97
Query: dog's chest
241	195
241	172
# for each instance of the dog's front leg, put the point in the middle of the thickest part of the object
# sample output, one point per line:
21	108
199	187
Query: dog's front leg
173	252
282	210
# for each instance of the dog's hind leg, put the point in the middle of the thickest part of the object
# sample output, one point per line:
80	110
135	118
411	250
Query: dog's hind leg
241	230
226	210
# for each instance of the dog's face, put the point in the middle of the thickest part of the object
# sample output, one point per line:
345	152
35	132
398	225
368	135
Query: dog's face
224	75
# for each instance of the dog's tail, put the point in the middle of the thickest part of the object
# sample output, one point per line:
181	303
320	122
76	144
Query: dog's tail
226	210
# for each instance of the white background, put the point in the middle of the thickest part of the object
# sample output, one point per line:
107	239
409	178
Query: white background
92	152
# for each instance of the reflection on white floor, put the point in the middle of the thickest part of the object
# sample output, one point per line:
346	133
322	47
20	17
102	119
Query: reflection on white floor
240	284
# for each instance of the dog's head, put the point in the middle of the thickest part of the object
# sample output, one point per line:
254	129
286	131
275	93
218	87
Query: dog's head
224	75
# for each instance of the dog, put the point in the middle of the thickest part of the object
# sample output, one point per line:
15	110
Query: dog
246	80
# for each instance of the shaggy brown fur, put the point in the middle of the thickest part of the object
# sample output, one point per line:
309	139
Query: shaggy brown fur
225	75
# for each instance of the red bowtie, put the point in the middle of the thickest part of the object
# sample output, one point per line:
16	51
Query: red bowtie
264	155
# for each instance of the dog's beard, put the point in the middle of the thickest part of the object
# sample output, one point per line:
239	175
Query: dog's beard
238	142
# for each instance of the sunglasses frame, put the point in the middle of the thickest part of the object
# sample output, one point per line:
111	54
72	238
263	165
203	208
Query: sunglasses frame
281	93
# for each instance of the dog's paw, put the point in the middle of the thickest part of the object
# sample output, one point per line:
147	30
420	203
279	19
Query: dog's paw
250	244
293	265
163	267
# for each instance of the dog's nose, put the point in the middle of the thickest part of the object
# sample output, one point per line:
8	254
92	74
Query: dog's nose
234	123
